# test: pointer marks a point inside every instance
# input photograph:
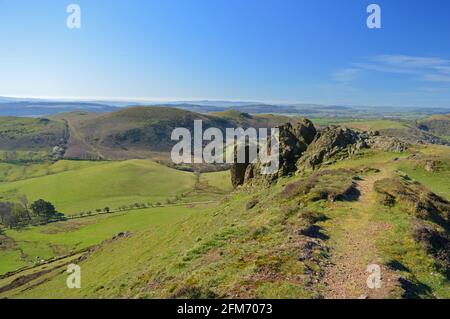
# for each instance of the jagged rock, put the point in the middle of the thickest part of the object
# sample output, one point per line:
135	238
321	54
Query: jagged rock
303	148
334	143
387	144
293	142
57	152
329	143
238	173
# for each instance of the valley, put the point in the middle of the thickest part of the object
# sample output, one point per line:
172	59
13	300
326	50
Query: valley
186	233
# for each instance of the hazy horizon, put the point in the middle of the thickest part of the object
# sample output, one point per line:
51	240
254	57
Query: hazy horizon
316	52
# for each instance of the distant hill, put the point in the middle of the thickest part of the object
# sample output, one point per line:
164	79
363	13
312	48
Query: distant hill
104	132
30	133
39	108
437	124
33	107
138	132
134	132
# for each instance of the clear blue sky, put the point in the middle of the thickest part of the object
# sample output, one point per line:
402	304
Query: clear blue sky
279	50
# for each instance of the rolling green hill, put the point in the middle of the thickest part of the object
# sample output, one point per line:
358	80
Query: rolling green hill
98	184
282	241
30	133
145	132
437	124
306	235
30	139
58	239
129	133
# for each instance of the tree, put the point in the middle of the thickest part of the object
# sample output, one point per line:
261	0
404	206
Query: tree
6	214
106	209
21	216
5	209
23	200
12	215
43	209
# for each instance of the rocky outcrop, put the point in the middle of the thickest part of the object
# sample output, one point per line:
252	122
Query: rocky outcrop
387	144
238	173
337	143
238	170
332	142
293	142
302	148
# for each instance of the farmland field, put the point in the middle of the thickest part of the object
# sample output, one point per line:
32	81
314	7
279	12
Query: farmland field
87	186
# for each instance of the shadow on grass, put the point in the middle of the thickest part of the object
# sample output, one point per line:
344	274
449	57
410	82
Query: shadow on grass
414	290
351	195
314	231
398	266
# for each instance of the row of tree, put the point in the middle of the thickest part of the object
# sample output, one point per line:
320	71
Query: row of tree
20	213
107	210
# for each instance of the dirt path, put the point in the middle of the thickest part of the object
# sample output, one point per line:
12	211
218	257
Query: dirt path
75	137
352	242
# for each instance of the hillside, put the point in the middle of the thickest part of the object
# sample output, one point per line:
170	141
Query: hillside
274	247
430	130
30	139
34	107
438	125
142	132
353	202
95	185
342	199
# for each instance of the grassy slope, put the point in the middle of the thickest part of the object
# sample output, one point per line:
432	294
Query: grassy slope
218	180
61	238
438	125
184	254
229	250
396	244
14	172
438	180
104	184
17	133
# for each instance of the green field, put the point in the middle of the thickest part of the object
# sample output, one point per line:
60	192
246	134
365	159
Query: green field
61	238
10	172
223	247
95	185
218	180
75	186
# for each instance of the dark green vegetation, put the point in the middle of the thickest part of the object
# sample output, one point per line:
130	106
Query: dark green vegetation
20	214
149	231
438	125
30	140
143	132
29	133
